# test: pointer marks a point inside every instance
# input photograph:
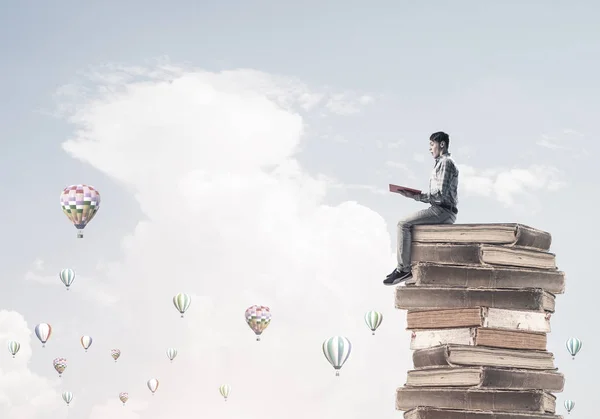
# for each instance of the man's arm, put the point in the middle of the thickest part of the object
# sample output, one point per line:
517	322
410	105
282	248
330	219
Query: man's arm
441	184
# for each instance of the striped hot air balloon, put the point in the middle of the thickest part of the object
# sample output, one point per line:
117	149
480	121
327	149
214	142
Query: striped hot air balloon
115	353
373	320
80	203
182	302
13	347
60	364
124	397
171	354
86	342
574	346
43	332
153	385
67	276
337	350
67	396
258	318
225	389
569	405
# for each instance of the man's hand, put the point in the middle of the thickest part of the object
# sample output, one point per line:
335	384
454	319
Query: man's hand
407	194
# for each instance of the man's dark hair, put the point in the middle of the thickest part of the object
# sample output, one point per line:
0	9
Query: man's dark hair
438	137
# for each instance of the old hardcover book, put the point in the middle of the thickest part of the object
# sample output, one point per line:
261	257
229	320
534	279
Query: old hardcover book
482	254
478	336
533	401
486	377
434	413
434	274
467	355
497	318
501	233
437	298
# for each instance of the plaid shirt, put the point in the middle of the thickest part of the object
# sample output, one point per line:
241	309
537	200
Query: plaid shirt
443	183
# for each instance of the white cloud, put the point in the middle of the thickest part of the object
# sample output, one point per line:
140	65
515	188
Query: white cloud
347	103
232	218
566	140
512	187
23	394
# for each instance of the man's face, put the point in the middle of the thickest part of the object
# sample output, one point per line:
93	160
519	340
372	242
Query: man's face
434	149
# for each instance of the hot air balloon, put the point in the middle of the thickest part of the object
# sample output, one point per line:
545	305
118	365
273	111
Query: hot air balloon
86	342
153	385
60	364
225	389
569	405
182	302
124	397
13	347
80	203
115	353
373	320
171	353
337	350
258	318
67	397
67	276
43	332
574	346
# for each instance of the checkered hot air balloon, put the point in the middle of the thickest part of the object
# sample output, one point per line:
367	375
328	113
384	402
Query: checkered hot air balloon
124	397
115	353
171	354
373	320
80	203
43	332
569	405
67	276
225	389
60	364
13	347
258	318
86	342
153	385
182	302
67	396
573	346
337	350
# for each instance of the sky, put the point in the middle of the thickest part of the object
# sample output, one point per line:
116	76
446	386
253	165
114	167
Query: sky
243	151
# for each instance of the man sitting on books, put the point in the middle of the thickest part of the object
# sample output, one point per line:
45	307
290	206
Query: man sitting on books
442	197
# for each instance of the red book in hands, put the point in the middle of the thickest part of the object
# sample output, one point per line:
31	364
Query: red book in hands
396	188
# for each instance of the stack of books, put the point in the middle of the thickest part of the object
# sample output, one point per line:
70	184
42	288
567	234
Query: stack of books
479	306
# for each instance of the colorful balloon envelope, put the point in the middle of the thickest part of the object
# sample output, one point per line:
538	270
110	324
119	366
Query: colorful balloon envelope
60	364
225	389
124	397
43	331
67	396
573	346
67	276
373	320
182	302
337	350
569	405
80	203
153	385
258	318
13	347
171	354
86	342
115	353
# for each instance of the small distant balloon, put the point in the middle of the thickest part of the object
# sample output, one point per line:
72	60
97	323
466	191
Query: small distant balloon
182	302
153	385
124	397
171	354
569	405
258	319
225	389
373	320
115	353
86	342
43	331
67	276
60	364
337	350
573	346
67	397
13	347
80	203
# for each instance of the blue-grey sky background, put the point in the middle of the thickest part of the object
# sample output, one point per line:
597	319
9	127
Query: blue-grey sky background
515	84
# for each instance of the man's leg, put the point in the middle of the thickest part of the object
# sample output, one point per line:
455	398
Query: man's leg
431	215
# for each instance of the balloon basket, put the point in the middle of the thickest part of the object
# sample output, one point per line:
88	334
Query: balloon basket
258	338
79	235
373	333
337	373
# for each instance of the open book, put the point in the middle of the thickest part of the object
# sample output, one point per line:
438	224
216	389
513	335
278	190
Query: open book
396	188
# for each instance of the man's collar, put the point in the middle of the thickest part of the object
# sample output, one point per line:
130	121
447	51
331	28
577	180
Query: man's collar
447	154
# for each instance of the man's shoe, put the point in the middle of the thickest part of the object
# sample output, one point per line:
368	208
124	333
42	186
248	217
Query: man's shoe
396	277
